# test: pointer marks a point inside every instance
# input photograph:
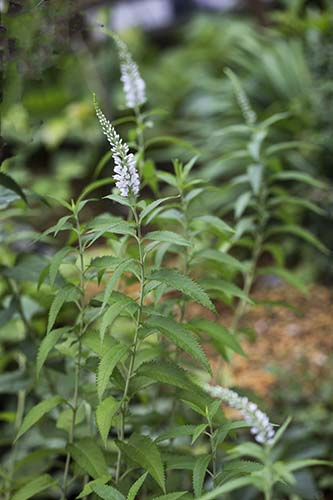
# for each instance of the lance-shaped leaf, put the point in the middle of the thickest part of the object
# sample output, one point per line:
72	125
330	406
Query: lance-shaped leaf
226	288
171	496
136	487
56	262
199	473
180	336
33	487
173	279
89	456
112	313
218	333
167	237
106	366
105	412
114	279
64	295
143	451
36	413
166	373
47	344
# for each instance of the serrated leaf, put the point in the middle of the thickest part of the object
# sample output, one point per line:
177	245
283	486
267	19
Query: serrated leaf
199	473
107	492
106	366
173	279
36	413
219	333
56	262
114	279
47	344
167	237
166	373
171	496
88	455
136	486
199	429
33	487
88	487
177	431
112	313
221	258
143	451
105	412
151	207
64	295
178	462
180	336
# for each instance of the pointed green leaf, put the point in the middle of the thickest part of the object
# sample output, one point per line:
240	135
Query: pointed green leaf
294	175
33	487
89	456
36	413
136	486
180	336
12	185
167	237
112	313
218	333
199	472
67	294
107	492
47	344
300	232
166	373
225	287
106	366
177	431
173	279
114	279
143	451
233	485
171	496
56	262
284	274
151	207
221	258
88	487
105	412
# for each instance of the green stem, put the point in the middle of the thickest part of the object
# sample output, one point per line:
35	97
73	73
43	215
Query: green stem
78	360
141	142
269	477
213	451
124	404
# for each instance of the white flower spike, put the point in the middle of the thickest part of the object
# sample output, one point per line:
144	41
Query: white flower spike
125	173
259	421
134	85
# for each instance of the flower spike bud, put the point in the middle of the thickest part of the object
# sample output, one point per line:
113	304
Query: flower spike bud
261	427
134	85
125	173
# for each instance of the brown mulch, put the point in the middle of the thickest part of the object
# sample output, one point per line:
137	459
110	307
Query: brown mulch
289	340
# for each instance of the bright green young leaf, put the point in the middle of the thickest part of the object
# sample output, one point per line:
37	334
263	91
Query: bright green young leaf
215	222
167	237
143	451
36	413
134	489
106	366
88	488
105	412
152	206
56	262
33	487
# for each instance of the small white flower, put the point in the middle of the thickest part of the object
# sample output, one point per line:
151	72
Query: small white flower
134	85
125	173
261	427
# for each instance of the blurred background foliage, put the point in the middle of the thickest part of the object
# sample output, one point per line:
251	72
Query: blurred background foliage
56	54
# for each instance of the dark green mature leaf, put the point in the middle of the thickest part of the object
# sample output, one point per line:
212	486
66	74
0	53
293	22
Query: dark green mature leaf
36	413
173	279
88	455
143	451
105	412
226	288
9	183
106	366
177	431
219	333
114	279
47	344
107	492
88	487
112	313
166	373
64	295
33	487
136	486
180	336
199	473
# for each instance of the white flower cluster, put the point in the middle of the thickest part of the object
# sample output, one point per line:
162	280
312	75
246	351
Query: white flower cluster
125	173
134	85
261	426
